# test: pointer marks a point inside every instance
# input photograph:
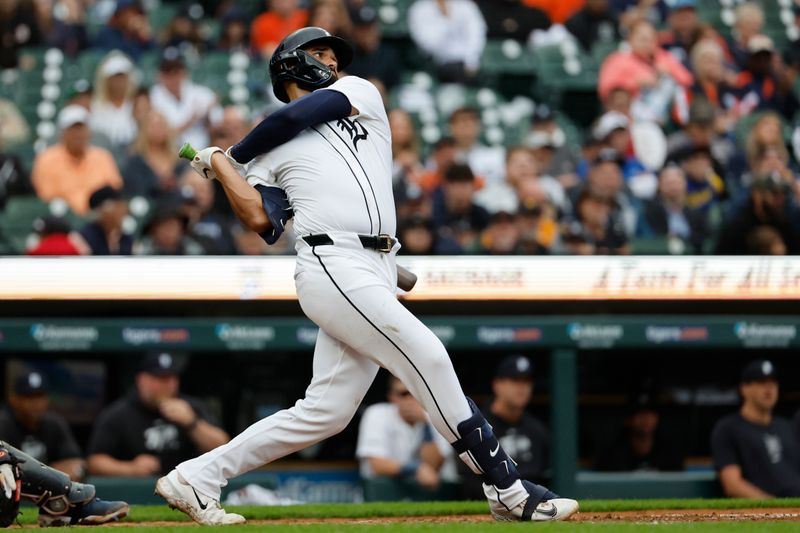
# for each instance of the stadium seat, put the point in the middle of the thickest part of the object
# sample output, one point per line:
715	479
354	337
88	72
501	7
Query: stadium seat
507	57
16	220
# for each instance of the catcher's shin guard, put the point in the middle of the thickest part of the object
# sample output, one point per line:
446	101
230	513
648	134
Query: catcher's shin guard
51	490
481	451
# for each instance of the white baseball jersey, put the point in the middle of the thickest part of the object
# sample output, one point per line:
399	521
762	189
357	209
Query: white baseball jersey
345	182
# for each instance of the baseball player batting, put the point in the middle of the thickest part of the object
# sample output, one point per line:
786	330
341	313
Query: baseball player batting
329	149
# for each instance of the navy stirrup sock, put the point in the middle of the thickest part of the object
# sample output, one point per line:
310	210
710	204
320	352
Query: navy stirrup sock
481	450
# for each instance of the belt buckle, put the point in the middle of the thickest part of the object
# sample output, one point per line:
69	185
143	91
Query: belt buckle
385	243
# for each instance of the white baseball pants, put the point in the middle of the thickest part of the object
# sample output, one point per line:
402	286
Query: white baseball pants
349	292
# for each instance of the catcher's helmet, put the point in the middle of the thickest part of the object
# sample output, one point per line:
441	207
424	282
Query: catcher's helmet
291	63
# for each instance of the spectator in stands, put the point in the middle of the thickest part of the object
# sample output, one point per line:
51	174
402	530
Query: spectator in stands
502	234
765	240
522	174
765	82
512	19
649	73
443	154
455	213
595	23
707	127
372	58
406	166
768	202
166	231
63	25
705	187
558	11
281	18
331	15
749	23
154	428
186	105
770	158
561	162
112	106
55	238
487	162
19	27
206	227
230	129
756	453
711	83
684	29
234	35
73	168
14	129
398	444
152	168
453	33
28	423
523	436
538	227
184	32
597	227
128	30
668	215
14	180
419	237
641	444
104	234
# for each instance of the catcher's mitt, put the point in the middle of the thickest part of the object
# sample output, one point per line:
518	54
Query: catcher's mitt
10	488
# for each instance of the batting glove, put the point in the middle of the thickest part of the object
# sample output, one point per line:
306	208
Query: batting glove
202	162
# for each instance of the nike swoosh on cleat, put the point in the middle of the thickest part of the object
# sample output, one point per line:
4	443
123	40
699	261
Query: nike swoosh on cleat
552	512
202	505
492	453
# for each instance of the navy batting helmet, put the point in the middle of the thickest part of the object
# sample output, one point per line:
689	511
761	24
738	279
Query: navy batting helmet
291	63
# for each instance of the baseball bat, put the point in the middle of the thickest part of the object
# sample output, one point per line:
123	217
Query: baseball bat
405	278
187	151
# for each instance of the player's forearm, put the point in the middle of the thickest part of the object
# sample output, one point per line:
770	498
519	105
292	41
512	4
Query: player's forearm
741	488
429	453
207	436
75	468
383	466
101	464
244	199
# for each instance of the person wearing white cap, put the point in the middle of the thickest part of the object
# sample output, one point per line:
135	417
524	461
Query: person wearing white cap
73	169
112	106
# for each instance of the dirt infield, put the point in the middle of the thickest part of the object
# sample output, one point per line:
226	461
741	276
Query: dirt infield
654	516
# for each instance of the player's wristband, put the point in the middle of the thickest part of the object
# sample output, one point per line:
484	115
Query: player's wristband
409	469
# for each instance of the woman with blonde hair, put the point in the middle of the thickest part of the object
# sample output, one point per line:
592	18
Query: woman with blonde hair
152	167
112	106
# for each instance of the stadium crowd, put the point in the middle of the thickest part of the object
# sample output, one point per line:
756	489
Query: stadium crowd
690	146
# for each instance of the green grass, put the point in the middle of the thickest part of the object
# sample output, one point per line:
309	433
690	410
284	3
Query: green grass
398	509
723	527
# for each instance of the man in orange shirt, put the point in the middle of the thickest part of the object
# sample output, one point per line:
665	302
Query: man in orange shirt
73	168
269	28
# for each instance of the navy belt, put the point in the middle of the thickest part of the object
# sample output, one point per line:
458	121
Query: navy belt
380	243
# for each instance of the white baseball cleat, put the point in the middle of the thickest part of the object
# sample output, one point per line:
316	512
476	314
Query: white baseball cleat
184	497
549	510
